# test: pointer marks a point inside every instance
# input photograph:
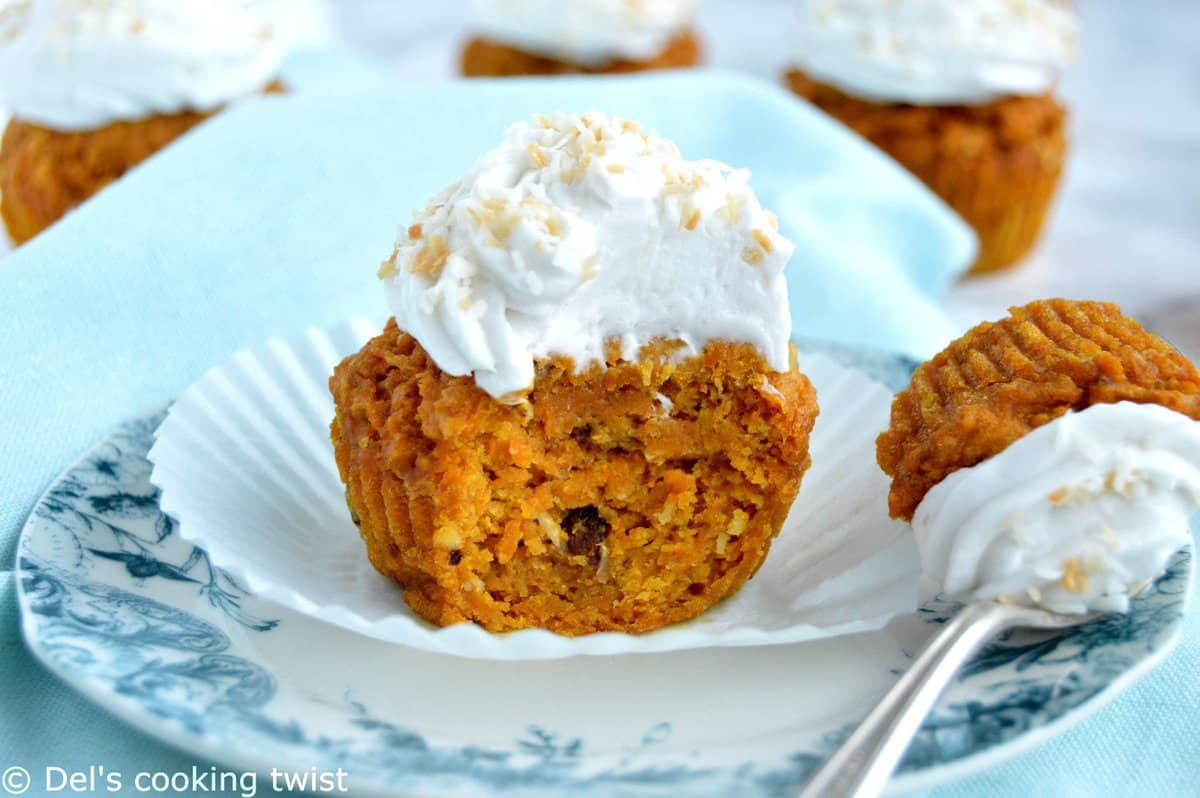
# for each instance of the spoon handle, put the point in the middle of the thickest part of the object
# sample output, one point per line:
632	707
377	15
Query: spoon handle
861	767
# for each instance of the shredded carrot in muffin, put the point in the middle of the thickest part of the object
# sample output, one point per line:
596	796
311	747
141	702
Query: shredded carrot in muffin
622	497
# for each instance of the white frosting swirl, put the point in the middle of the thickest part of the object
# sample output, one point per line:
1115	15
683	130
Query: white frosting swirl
82	64
588	32
937	52
1074	516
580	229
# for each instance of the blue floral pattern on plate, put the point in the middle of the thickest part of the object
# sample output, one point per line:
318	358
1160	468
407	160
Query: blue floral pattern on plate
138	619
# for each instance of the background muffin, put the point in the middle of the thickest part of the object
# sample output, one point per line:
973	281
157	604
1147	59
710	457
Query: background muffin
586	415
961	94
547	37
96	87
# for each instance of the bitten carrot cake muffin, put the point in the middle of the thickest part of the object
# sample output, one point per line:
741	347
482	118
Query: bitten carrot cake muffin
1057	448
549	37
586	414
960	93
97	86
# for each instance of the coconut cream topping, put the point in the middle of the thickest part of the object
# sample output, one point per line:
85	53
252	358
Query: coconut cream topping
1075	516
82	64
937	52
578	230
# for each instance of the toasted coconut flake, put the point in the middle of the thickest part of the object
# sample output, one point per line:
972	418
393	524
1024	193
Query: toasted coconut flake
591	267
733	207
1074	578
431	258
763	240
388	268
537	156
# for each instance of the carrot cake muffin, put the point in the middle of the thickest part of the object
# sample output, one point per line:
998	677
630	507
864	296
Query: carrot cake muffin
586	414
96	86
550	37
1051	457
960	93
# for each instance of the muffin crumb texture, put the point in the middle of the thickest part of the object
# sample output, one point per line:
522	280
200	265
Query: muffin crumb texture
1005	378
623	497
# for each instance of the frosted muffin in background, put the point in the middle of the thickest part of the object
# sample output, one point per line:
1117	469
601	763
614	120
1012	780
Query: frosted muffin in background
961	92
94	87
551	37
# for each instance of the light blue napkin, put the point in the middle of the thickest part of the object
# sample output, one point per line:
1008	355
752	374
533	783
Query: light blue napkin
273	216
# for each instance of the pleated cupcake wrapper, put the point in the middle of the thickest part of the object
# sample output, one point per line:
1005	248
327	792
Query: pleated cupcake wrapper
245	465
1007	206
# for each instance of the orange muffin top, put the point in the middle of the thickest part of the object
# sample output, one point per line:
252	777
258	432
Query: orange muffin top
1002	379
997	126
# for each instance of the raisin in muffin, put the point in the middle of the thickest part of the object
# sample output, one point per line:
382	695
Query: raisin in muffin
586	414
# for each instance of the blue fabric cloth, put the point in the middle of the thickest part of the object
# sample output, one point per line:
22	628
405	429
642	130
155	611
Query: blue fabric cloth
271	218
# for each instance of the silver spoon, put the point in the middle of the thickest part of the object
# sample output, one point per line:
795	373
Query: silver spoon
863	764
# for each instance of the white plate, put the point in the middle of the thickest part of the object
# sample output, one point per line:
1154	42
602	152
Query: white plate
245	465
114	602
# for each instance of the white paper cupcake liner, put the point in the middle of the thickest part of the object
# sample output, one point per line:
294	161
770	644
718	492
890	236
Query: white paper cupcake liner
245	464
